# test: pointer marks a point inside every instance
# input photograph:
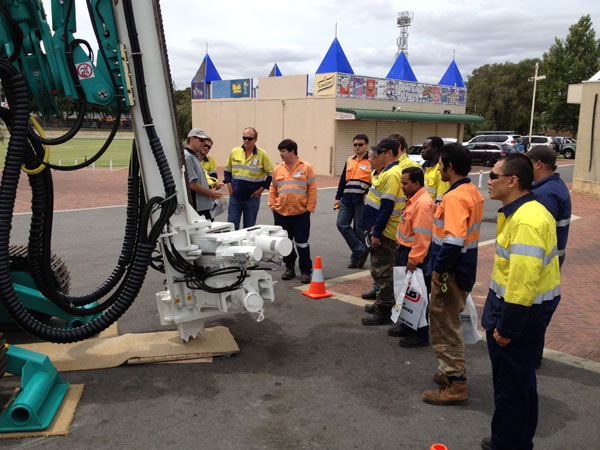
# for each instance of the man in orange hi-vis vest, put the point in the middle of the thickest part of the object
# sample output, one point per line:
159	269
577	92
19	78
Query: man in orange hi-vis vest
414	238
292	198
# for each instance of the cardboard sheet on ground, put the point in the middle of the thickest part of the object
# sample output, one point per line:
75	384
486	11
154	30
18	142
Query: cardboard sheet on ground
105	352
62	419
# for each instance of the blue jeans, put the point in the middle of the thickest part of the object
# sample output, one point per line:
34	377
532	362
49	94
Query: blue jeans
348	219
248	207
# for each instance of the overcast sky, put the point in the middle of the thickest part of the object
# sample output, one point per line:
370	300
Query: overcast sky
245	38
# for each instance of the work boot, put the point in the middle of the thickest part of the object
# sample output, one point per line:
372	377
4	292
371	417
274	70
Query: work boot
413	341
371	295
305	277
486	443
370	308
398	330
453	394
352	264
441	378
381	316
288	274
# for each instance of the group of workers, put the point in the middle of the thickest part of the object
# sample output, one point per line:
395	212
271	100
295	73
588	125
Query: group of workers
397	213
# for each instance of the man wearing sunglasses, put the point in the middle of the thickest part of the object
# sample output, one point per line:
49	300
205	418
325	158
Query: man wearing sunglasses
248	173
524	293
352	188
198	182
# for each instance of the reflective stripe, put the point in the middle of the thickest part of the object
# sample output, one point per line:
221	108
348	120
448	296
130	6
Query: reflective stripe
438	198
431	190
437	240
502	252
391	197
561	252
310	180
421	230
250	168
372	204
291	191
375	192
550	294
397	212
294	182
474	227
253	179
563	223
354	191
469	246
438	223
405	237
358	183
454	240
533	251
302	245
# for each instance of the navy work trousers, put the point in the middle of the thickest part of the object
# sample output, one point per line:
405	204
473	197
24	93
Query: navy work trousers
298	230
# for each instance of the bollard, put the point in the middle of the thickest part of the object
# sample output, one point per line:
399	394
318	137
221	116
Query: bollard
76	160
94	165
110	164
59	161
480	177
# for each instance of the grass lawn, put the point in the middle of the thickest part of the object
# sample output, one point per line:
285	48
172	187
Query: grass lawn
119	151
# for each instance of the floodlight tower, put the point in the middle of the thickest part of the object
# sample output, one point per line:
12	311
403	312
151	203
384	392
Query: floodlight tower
403	21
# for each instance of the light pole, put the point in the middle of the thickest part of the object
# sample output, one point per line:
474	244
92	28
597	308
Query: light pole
535	80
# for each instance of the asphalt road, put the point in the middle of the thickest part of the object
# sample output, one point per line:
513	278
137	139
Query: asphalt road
308	377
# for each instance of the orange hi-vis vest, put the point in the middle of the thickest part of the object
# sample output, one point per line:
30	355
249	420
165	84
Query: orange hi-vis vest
415	227
294	191
358	175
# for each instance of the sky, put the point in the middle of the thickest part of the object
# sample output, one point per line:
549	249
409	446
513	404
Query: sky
246	38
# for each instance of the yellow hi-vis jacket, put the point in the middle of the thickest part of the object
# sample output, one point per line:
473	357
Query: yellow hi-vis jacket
210	166
526	271
384	202
293	192
434	185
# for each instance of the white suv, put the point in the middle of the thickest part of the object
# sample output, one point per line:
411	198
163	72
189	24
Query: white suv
506	139
550	141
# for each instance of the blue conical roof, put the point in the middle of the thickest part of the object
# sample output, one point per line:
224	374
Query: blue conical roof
401	69
211	71
275	72
452	77
335	60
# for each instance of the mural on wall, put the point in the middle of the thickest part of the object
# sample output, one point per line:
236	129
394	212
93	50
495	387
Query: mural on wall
232	88
355	86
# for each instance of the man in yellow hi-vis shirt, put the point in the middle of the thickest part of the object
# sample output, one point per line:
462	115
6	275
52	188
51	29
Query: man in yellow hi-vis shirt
524	293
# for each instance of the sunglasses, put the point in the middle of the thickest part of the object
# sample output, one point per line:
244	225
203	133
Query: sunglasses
494	176
359	145
247	138
208	146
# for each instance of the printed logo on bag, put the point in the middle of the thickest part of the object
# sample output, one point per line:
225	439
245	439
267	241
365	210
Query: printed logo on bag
412	295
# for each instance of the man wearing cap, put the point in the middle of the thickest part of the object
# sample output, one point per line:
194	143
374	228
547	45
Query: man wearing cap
248	173
381	216
198	183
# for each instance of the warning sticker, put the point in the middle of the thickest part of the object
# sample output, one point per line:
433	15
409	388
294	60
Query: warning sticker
85	70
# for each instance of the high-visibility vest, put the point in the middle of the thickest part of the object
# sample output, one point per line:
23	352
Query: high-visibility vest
210	166
526	270
434	185
294	191
457	222
386	185
358	175
416	223
254	168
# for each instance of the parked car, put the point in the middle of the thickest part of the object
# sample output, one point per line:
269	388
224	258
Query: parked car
507	139
550	141
569	148
489	153
414	153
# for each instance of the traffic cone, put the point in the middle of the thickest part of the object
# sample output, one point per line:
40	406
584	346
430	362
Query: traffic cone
317	284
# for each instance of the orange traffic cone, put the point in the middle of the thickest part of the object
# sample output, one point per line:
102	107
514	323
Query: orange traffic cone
317	284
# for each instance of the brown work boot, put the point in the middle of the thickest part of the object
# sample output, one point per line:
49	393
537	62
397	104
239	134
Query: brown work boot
441	378
453	394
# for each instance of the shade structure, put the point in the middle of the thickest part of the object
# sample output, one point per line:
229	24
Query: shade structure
207	71
401	69
275	72
335	60
452	77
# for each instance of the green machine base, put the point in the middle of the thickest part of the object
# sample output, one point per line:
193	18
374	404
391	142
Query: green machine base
41	393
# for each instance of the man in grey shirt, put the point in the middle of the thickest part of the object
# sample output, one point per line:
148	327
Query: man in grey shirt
196	141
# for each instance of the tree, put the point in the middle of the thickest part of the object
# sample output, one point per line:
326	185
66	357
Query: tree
568	61
183	106
502	95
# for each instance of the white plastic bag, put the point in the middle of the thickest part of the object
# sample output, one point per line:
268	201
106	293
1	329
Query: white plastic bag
411	298
469	322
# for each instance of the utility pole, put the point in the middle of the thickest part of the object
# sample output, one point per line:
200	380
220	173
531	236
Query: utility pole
535	80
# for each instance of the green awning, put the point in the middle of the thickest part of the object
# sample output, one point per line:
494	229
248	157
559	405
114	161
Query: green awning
408	116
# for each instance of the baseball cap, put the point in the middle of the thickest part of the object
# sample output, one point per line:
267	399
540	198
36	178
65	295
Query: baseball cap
543	153
197	132
389	144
